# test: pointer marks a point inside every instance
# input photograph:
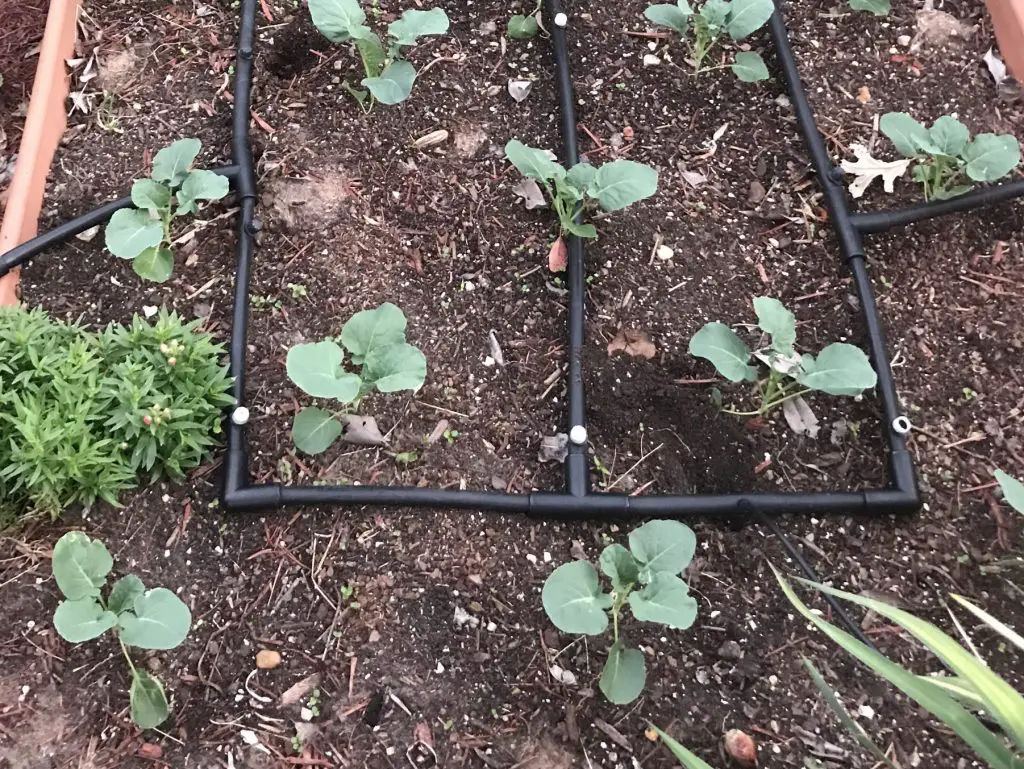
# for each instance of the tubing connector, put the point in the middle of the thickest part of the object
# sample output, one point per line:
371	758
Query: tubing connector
578	435
240	416
253	227
901	425
561	19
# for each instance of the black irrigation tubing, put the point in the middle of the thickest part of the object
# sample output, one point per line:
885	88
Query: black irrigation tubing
578	500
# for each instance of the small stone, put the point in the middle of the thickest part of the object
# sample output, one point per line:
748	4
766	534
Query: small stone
665	252
650	60
730	650
267	659
903	40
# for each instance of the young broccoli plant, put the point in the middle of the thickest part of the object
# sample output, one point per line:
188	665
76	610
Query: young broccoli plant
946	154
389	78
703	29
612	187
646	576
375	340
143	233
839	369
146	619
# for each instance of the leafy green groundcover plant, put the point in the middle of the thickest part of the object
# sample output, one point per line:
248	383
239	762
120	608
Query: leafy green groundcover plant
613	186
375	340
738	18
145	619
946	154
143	233
840	369
81	413
646	577
389	78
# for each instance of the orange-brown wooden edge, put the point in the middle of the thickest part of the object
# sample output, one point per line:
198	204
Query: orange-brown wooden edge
1008	22
44	127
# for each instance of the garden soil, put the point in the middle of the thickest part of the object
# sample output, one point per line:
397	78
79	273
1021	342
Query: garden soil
411	633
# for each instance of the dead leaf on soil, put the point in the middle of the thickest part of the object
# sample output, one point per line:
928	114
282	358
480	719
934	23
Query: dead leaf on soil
553	448
694	178
294	693
150	750
558	256
432	139
800	418
519	89
864	94
496	353
938	29
531	193
439	431
362	431
741	748
867	169
996	67
306	732
632	342
423	734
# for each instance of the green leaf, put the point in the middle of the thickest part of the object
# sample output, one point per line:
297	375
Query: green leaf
131	231
395	367
952	192
124	592
714	13
374	57
532	162
150	195
997	625
160	620
748	16
339	20
840	369
621	183
662	546
719	344
685	757
949	136
580	177
80	565
749	67
906	134
82	620
855	729
675	17
990	157
624	675
155	264
394	84
200	185
380	327
315	368
148	701
414	24
666	600
573	599
314	430
877	7
620	566
171	164
774	319
522	27
1013	490
580	230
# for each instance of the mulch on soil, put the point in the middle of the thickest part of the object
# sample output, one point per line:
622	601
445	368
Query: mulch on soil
427	626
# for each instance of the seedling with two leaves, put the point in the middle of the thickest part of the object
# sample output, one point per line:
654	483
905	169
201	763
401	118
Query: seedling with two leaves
143	233
524	26
389	77
375	340
946	154
646	577
145	619
840	369
703	29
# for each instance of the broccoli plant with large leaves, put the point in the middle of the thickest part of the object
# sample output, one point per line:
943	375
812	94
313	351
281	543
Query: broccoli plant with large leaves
141	618
646	578
704	28
839	369
375	341
389	77
143	233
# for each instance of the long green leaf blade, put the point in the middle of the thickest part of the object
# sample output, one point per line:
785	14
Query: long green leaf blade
686	758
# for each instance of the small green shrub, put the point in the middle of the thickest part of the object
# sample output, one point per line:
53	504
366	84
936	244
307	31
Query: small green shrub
716	18
840	369
389	78
146	619
74	407
375	340
613	186
946	154
646	576
143	233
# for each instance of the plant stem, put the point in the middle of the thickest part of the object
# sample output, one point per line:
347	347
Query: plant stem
767	407
135	673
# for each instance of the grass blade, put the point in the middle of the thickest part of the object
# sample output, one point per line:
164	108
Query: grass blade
686	758
1004	630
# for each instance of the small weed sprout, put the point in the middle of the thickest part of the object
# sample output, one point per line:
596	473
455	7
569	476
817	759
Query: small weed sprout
612	187
738	18
375	340
146	619
646	577
840	369
524	26
946	154
389	78
143	233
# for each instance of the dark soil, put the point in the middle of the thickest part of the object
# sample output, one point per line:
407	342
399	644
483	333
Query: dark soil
21	30
372	601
